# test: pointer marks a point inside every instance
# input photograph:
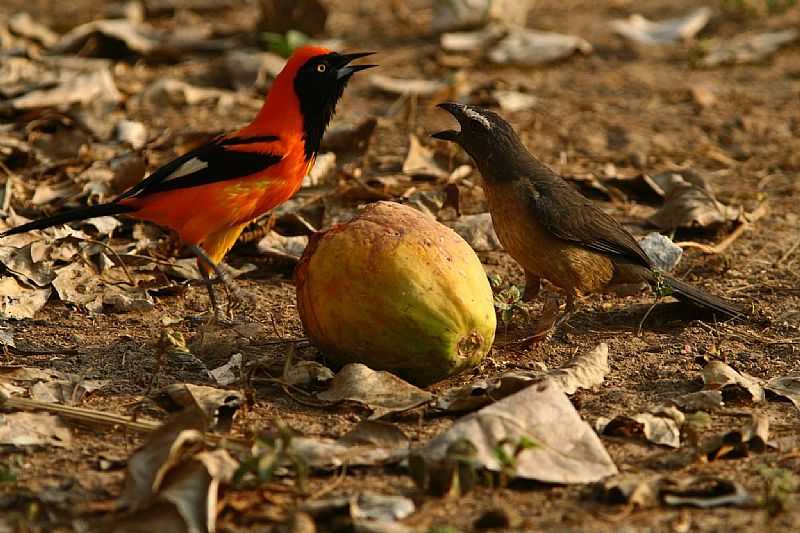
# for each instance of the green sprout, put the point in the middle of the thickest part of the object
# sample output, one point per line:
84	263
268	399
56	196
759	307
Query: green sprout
283	44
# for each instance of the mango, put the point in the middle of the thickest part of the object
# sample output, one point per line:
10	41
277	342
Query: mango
397	291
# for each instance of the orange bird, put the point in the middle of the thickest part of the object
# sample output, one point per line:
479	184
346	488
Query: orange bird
208	195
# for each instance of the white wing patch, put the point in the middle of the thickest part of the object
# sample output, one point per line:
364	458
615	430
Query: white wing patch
474	115
190	167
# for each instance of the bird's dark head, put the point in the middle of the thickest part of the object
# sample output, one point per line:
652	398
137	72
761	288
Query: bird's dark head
483	134
317	76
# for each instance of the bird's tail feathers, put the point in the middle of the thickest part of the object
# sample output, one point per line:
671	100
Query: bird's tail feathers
73	215
687	292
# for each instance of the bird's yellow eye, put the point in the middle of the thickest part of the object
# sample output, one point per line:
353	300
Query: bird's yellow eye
321	67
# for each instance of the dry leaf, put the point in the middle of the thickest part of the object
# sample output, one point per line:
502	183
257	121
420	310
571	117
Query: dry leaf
179	437
428	202
419	161
457	14
418	87
349	137
689	203
478	231
639	29
661	428
368	511
170	92
531	47
228	373
24	374
78	284
19	302
73	87
704	492
69	391
736	444
187	499
327	454
193	488
786	387
323	170
307	373
382	392
704	400
585	371
630	489
376	433
131	132
514	101
749	49
33	429
219	405
719	376
559	446
252	69
471	41
30	263
288	248
24	24
139	38
7	337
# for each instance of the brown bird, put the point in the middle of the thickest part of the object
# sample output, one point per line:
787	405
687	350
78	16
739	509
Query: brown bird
552	230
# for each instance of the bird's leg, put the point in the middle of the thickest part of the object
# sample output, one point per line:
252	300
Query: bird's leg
569	310
209	283
222	276
533	284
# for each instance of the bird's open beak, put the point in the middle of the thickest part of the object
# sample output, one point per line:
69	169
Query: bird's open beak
345	70
455	110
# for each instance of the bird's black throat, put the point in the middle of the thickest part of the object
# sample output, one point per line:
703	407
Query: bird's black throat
318	97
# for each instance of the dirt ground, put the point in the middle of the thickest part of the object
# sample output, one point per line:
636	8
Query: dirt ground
626	105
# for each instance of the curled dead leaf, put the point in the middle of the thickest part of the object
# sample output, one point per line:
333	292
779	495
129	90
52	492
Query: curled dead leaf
557	446
748	48
719	376
641	30
585	371
382	392
689	203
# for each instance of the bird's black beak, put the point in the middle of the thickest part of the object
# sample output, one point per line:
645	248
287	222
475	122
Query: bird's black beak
455	110
345	70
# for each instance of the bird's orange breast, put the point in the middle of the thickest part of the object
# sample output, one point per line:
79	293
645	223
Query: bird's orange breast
196	212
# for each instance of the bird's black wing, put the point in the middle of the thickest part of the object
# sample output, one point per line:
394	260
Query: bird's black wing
570	216
218	160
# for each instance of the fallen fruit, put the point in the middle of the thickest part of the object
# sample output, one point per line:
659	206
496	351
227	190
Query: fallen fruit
395	290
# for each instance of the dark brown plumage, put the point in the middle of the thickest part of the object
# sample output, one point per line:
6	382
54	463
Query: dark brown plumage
552	230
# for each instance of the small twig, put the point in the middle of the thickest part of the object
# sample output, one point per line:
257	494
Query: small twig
644	318
788	253
331	486
62	351
97	418
152	260
273	342
275	329
80	414
755	336
286	388
117	256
